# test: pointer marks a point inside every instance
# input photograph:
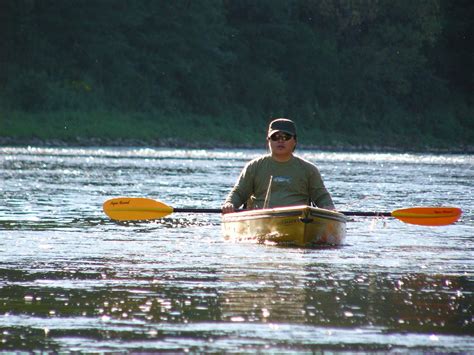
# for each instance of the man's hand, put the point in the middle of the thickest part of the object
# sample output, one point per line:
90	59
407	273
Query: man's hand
228	208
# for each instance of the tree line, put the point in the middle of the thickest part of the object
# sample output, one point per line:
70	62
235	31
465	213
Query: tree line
360	69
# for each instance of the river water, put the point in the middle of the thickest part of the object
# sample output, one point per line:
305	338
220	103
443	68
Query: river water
72	280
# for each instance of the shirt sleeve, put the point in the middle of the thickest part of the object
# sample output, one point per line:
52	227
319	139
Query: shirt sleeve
318	192
243	189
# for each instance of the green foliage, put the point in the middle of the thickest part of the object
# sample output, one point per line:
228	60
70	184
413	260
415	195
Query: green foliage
115	128
349	72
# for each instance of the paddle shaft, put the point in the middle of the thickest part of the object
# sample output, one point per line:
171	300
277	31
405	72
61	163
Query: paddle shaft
198	210
366	214
347	213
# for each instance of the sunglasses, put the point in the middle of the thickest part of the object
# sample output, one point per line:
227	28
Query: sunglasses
284	136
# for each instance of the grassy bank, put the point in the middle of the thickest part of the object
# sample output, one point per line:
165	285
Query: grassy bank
187	130
114	128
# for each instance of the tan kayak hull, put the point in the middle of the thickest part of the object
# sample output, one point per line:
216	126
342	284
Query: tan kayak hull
302	226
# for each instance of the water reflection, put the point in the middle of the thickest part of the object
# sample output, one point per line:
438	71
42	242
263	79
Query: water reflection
120	297
72	280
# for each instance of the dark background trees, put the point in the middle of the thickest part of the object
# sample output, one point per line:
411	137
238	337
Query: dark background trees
353	72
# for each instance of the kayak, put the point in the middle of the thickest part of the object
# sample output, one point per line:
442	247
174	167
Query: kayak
302	226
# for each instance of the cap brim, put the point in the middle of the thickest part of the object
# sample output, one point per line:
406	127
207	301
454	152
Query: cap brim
279	130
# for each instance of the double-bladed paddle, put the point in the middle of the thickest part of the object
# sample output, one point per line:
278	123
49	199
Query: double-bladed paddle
139	209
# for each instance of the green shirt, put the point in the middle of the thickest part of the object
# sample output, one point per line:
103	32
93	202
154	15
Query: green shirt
294	182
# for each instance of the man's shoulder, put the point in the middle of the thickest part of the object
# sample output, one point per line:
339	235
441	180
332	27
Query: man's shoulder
303	161
259	160
304	164
256	164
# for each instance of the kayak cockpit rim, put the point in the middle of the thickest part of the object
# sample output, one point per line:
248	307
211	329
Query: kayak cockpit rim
283	212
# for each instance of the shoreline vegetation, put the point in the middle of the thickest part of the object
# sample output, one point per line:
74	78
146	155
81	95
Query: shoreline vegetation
363	75
108	129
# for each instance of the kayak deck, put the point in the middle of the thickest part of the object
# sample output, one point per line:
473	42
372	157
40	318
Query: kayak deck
302	226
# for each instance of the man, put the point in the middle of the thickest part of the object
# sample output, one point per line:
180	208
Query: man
279	178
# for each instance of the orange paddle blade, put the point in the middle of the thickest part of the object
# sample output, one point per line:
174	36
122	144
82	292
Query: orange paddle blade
428	216
135	209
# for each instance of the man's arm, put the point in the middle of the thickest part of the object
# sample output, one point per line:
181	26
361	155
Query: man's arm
318	192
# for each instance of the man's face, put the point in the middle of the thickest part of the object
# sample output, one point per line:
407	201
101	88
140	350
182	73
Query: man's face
282	144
